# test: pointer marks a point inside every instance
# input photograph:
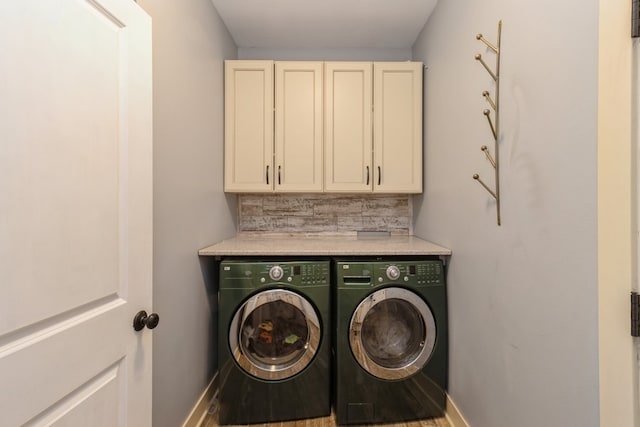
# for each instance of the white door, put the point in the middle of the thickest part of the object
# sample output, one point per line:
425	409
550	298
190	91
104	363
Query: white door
76	212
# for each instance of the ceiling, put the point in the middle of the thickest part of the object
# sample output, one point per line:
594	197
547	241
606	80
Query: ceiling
324	23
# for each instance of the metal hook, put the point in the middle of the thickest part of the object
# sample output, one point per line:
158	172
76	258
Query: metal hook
477	178
489	100
493	130
485	41
479	58
486	153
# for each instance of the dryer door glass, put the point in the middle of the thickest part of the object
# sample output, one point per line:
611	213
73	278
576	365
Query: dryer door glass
275	334
392	333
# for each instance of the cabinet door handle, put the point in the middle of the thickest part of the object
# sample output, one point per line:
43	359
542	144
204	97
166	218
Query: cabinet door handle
279	182
379	175
267	174
367	175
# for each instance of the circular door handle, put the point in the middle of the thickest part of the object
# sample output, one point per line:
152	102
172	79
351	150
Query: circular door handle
141	320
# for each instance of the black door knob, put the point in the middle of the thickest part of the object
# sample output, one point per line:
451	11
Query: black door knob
141	320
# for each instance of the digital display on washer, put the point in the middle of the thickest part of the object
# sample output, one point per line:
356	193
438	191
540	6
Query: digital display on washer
412	269
296	270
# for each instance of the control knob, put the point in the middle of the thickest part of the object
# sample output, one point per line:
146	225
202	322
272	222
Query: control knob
393	272
276	272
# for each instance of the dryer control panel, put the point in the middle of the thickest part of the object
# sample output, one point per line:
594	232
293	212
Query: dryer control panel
411	273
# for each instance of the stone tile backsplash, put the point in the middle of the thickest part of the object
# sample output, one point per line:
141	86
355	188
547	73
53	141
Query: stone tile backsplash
324	213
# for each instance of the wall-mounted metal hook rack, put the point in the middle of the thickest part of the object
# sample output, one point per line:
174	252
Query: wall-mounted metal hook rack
494	124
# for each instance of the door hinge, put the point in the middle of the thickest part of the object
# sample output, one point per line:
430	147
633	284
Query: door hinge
635	314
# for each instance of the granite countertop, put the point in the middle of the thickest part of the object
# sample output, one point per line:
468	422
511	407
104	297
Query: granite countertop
304	245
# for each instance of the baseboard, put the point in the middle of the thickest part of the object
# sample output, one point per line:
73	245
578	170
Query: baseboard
199	411
453	415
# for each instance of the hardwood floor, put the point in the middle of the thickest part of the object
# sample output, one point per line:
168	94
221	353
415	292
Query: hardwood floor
211	421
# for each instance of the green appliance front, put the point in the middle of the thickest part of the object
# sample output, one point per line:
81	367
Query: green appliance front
391	349
274	343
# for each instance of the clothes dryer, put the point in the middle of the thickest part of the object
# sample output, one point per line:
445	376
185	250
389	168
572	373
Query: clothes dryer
391	347
274	342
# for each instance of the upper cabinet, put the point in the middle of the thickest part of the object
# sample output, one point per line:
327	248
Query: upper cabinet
253	162
397	127
298	147
348	140
248	126
391	160
339	127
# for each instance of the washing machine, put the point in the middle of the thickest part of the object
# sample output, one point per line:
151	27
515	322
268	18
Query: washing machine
391	346
273	341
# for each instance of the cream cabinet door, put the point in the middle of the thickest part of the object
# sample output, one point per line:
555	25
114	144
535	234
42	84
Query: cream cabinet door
298	133
348	140
248	123
397	99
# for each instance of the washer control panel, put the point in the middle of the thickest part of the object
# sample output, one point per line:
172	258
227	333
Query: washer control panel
241	274
297	273
418	272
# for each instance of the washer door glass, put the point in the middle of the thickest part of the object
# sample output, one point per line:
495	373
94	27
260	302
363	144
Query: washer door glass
392	333
275	334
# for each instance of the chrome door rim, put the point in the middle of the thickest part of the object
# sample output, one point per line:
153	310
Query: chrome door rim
270	371
355	334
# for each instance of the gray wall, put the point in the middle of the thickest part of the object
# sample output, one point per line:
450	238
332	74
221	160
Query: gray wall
190	209
523	296
329	54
